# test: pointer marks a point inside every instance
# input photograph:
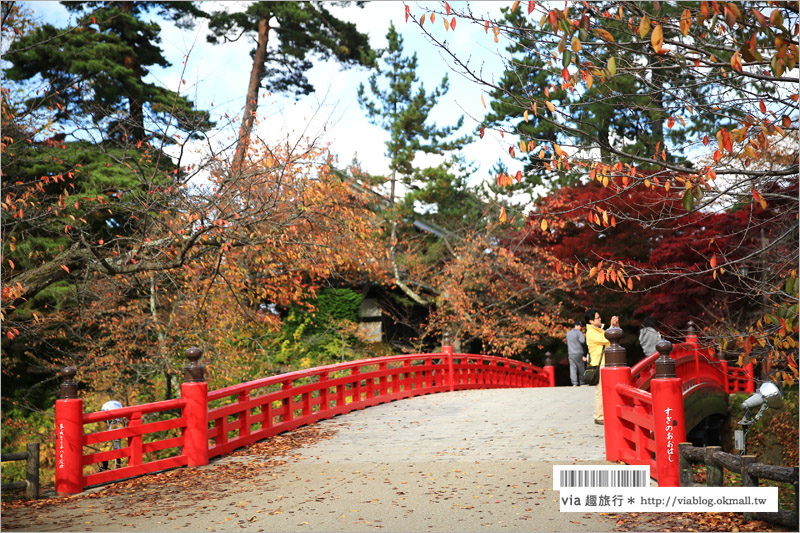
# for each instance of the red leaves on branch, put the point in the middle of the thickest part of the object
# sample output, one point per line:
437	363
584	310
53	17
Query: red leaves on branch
552	19
727	139
736	62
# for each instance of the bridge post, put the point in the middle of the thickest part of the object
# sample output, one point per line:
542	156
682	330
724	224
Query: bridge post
669	421
616	371
194	390
723	364
691	340
447	352
549	369
69	436
691	335
750	384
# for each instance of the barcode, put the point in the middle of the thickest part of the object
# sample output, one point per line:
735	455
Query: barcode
600	476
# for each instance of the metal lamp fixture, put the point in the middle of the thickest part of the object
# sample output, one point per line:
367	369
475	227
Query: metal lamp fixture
768	395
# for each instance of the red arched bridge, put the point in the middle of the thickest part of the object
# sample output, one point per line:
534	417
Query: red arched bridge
647	407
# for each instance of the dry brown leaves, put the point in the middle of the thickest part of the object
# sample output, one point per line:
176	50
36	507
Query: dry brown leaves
690	522
183	487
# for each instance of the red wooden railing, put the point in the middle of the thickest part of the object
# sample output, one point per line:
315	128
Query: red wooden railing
201	425
695	365
136	449
643	427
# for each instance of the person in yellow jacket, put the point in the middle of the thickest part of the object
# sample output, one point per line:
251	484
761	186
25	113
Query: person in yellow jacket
596	341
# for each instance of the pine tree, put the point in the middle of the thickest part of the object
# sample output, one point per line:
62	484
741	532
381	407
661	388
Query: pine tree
95	73
84	164
301	31
402	109
400	105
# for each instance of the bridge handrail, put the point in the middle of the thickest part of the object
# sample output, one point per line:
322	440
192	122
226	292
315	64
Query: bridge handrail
360	363
142	438
672	374
128	412
634	393
245	419
644	369
643	427
310	372
278	411
731	378
636	431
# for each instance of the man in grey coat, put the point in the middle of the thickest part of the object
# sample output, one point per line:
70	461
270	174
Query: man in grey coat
576	349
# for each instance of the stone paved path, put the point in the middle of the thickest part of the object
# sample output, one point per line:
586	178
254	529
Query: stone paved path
462	461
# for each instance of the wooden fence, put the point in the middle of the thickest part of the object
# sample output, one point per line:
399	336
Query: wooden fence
717	461
31	457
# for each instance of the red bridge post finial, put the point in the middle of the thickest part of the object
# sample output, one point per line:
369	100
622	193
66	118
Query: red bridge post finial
69	436
691	334
616	371
694	348
194	390
668	413
549	369
447	353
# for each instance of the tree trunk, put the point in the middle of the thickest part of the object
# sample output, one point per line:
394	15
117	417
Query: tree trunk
168	381
394	154
400	284
657	113
135	108
162	337
251	105
604	141
28	284
457	347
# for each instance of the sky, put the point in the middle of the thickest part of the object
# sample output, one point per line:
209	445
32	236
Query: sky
216	79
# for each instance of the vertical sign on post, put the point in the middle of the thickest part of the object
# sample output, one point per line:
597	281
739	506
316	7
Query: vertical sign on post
69	436
670	424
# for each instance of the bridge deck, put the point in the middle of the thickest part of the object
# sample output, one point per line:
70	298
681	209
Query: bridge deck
465	461
543	424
